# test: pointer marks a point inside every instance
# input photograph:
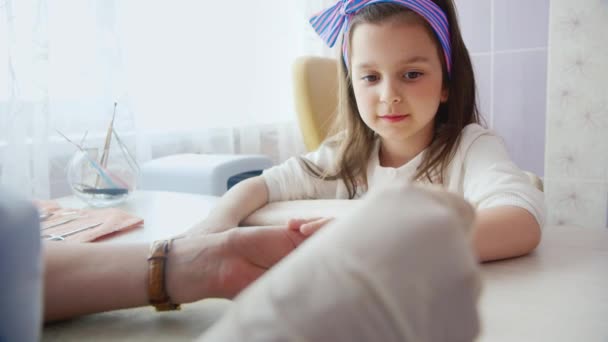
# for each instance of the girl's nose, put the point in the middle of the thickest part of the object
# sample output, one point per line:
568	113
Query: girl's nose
390	95
393	99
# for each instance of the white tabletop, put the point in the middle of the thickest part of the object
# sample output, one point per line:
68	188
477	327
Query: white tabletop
164	213
559	293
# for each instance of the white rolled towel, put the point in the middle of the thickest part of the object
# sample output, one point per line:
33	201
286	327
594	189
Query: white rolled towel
399	268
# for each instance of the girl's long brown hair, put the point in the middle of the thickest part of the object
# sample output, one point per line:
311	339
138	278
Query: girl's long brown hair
355	141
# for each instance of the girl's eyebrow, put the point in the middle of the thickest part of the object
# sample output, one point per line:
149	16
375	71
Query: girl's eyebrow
414	59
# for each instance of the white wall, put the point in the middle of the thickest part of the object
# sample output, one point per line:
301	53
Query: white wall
576	165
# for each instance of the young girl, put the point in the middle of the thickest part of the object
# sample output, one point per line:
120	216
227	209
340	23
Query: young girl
407	113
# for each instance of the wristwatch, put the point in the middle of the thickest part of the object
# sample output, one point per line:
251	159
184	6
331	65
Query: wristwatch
157	287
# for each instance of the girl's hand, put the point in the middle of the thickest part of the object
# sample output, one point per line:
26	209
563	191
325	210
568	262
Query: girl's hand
308	226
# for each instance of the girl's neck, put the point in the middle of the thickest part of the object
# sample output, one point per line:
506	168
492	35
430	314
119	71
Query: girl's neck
396	153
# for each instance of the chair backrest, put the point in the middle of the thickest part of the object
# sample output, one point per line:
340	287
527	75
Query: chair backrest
315	83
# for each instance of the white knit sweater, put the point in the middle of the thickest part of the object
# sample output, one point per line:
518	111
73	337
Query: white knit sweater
481	171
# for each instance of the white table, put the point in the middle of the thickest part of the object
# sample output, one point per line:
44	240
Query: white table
559	293
164	213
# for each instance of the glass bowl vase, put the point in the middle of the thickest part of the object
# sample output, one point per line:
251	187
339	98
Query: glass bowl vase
102	182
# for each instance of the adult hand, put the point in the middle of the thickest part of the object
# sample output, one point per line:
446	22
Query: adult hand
223	264
308	226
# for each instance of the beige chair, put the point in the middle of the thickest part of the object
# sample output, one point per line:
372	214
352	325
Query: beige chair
316	98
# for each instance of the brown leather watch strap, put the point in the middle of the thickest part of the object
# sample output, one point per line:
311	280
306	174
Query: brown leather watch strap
157	290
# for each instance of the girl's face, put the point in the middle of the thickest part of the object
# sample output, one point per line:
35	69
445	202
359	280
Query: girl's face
397	80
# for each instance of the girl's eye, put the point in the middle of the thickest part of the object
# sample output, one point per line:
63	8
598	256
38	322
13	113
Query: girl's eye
370	78
412	75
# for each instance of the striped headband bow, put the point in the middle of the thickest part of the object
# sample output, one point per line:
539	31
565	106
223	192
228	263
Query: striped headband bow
334	20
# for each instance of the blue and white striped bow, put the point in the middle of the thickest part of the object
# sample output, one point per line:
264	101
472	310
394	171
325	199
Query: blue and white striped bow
335	20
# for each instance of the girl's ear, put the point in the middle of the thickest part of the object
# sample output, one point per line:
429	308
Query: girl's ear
445	92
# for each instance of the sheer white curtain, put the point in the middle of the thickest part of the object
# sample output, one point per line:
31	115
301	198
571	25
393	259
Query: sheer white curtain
188	76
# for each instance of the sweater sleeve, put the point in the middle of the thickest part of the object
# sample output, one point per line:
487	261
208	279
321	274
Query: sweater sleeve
491	179
290	181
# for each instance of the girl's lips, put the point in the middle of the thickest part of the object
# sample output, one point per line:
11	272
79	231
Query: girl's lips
394	117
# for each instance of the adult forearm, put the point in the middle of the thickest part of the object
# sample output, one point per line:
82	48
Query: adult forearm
504	232
86	278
